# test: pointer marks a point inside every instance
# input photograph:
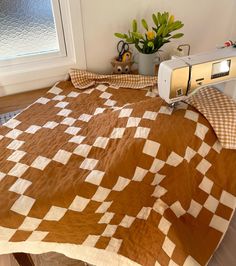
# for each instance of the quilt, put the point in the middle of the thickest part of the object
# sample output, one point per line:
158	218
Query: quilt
114	176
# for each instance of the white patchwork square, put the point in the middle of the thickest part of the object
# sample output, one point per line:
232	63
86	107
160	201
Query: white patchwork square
20	186
64	112
43	100
95	177
177	209
73	130
174	159
101	194
114	245
160	206
55	213
77	139
106	218
12	123
121	184
32	129
159	192
62	156
166	110
82	150
190	261
219	223
14	134
16	156
211	204
226	198
2	175
105	95
142	132
150	115
217	146
37	236
109	230
164	225
104	207
55	90
91	241
15	144
133	122
151	148
204	149
201	131
73	94
203	166
191	115
99	110
85	117
206	185
168	246
194	208
101	142
89	164
157	179
40	163
156	165
68	121
23	205
50	125
127	221
6	233
59	98
101	87
139	174
117	133
30	224
18	169
125	112
61	104
110	103
88	91
79	204
189	154
144	213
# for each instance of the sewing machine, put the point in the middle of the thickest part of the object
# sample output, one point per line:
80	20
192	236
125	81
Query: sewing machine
179	78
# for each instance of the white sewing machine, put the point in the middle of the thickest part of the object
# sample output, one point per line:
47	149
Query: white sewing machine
178	78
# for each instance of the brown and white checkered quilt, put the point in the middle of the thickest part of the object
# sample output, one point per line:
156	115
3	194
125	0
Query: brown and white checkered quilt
220	111
114	177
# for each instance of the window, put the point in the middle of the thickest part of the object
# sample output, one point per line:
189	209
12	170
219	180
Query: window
30	28
39	42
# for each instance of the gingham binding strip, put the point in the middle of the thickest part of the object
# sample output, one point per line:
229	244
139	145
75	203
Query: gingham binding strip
82	79
220	111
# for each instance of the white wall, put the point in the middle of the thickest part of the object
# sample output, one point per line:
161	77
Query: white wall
207	23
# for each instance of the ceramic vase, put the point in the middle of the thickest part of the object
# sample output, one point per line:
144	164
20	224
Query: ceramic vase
146	64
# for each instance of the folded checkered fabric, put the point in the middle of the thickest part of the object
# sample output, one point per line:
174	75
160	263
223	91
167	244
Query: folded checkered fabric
220	111
82	79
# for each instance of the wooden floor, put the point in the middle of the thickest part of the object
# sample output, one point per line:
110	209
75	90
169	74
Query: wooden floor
47	259
19	101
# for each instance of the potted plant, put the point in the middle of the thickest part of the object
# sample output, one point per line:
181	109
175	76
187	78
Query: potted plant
149	43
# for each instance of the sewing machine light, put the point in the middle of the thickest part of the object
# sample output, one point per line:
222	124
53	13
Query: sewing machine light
220	69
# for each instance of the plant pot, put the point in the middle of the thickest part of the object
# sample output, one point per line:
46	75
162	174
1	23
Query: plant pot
146	64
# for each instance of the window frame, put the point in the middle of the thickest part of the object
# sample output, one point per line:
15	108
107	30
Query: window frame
56	9
29	73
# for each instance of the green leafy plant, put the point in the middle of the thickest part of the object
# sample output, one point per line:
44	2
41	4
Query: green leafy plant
155	37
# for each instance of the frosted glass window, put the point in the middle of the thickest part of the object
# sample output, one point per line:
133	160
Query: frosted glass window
27	27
